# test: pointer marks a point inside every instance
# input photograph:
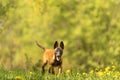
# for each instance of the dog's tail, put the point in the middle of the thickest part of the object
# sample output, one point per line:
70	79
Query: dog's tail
40	45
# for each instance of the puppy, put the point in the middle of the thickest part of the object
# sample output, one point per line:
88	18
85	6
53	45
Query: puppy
53	57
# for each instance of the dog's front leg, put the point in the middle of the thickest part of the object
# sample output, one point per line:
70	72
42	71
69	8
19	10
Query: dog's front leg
59	69
51	69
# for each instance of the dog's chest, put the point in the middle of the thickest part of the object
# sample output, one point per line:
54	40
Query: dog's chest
56	63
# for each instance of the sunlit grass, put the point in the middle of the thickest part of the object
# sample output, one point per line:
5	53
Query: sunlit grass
108	73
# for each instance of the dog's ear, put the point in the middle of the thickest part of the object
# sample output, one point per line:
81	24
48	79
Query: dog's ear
62	44
55	44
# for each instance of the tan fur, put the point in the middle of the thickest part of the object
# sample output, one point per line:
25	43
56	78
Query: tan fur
49	57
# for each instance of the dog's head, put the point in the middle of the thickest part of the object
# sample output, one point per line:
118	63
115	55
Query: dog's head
58	50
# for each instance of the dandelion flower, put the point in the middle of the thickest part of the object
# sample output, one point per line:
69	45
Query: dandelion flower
78	73
107	69
84	73
19	77
68	71
31	73
91	72
113	67
100	73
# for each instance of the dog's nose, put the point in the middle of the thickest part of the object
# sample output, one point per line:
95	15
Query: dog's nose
58	54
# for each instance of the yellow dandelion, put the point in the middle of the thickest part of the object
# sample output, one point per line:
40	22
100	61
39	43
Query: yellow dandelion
31	73
118	72
68	71
91	72
107	69
100	73
84	73
108	73
19	77
113	67
78	73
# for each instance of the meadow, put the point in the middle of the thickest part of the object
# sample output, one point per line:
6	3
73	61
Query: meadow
90	30
108	73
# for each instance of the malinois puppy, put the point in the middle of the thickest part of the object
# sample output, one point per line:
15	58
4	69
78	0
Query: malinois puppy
53	57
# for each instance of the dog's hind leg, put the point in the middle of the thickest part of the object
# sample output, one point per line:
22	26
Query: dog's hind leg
43	67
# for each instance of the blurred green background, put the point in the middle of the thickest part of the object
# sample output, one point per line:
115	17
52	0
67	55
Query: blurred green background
90	30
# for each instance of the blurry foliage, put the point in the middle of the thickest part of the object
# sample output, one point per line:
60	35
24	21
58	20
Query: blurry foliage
89	28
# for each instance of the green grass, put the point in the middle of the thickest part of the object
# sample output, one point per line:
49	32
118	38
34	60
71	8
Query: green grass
106	74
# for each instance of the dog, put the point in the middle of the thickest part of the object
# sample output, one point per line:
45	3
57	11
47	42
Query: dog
53	57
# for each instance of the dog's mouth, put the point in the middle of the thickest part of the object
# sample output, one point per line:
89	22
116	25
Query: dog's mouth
58	58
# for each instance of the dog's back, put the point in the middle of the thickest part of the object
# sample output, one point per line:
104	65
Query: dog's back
48	56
